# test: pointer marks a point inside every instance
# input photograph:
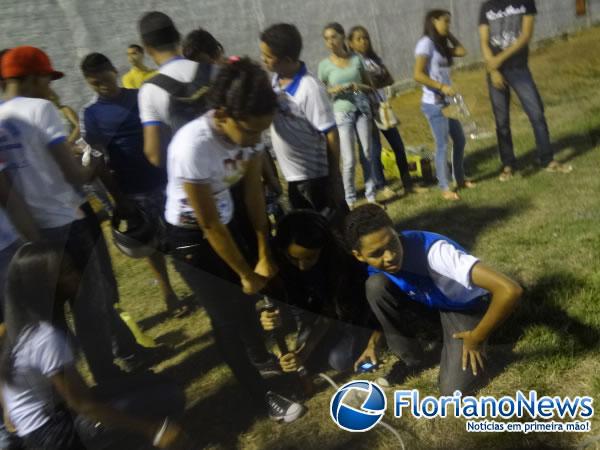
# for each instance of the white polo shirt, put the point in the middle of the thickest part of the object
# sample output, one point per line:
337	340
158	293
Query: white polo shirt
302	120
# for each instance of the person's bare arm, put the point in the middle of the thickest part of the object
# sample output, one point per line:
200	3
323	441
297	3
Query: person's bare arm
484	42
458	50
420	76
505	296
370	351
496	62
74	121
254	198
152	145
71	387
201	200
269	174
333	153
74	173
17	210
496	77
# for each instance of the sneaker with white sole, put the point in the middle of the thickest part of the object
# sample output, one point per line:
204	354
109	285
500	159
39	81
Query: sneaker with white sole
282	409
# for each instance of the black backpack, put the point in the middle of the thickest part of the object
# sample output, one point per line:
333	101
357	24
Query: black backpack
187	100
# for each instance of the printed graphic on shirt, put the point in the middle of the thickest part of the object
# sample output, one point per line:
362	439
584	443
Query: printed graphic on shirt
11	147
505	21
198	156
505	26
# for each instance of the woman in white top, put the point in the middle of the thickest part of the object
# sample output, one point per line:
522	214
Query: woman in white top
41	386
435	53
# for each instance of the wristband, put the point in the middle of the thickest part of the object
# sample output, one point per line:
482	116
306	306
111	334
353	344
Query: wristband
160	433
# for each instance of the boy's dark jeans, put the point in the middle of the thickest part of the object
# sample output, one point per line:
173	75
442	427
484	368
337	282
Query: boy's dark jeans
232	313
521	81
398	316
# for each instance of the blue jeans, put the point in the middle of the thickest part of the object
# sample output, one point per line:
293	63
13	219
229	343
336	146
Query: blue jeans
349	126
442	127
521	81
397	145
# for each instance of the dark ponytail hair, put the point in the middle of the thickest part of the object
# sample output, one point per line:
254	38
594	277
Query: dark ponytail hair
370	52
243	90
442	43
33	294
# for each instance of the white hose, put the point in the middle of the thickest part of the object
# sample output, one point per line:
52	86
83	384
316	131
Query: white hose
382	423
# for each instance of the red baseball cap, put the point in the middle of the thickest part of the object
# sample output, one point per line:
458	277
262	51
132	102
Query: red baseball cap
25	60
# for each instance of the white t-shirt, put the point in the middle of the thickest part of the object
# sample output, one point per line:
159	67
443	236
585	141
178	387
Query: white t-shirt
197	155
303	117
154	101
450	269
29	127
40	353
438	69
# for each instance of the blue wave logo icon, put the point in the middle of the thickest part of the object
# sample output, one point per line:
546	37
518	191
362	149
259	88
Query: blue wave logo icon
358	418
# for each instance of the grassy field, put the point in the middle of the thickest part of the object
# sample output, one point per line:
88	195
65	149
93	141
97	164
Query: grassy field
541	228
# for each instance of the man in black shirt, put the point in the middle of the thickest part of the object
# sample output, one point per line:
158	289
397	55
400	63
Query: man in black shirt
505	30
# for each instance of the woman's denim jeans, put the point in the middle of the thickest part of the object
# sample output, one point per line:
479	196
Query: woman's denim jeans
350	125
442	127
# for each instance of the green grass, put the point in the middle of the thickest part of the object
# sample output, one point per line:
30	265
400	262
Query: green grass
541	229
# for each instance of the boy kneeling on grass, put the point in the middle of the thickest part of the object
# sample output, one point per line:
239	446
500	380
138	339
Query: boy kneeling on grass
418	275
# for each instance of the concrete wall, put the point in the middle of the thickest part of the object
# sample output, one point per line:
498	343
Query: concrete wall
69	29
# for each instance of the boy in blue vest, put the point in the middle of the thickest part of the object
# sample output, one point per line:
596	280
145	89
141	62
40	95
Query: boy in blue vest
418	275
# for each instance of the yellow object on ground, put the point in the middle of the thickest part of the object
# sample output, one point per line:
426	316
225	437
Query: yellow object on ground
419	164
141	338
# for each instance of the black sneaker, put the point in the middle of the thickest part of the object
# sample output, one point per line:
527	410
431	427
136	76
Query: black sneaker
269	368
282	409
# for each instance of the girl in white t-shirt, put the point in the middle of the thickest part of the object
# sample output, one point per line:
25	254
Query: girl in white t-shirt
434	55
209	157
41	386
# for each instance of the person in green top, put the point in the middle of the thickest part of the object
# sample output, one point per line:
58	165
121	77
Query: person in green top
343	74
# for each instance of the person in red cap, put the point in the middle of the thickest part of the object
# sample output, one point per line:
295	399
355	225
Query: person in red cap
44	174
